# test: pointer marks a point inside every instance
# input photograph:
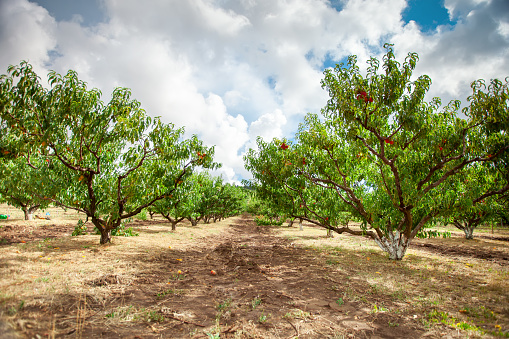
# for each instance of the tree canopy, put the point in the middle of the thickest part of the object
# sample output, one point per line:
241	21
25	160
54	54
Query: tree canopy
112	160
383	153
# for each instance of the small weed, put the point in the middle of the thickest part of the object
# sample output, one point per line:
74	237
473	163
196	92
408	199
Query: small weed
340	301
213	335
438	317
256	302
13	310
154	316
262	220
224	306
262	319
216	333
223	309
80	229
45	279
377	309
178	276
466	326
297	314
122	313
393	324
477	312
399	295
169	292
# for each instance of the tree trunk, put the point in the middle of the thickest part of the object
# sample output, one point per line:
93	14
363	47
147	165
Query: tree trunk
300	225
28	215
290	223
396	245
29	211
105	236
330	234
173	225
469	232
193	221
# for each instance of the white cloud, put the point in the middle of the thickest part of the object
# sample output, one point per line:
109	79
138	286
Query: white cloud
455	56
268	126
27	32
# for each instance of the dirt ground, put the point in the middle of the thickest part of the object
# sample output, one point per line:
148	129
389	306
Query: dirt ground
234	279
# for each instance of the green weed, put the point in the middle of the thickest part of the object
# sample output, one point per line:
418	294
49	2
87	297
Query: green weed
297	314
256	302
377	309
262	319
15	309
170	292
80	229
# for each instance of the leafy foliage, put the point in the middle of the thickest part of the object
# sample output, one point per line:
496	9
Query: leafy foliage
381	154
109	161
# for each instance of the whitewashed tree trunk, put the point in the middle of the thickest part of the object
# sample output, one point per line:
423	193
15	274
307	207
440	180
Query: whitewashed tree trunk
29	215
396	245
330	234
300	225
469	232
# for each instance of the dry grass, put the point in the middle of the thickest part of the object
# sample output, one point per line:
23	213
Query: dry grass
79	280
455	289
73	273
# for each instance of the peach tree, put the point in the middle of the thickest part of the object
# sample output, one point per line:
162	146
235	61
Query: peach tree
111	160
386	155
182	203
276	169
483	187
21	183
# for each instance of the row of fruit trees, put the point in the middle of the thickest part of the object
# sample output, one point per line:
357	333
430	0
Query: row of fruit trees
379	153
382	155
63	146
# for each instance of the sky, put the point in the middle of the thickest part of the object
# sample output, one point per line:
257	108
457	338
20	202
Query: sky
233	70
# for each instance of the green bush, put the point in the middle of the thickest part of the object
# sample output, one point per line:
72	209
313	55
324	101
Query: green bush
433	234
80	229
262	220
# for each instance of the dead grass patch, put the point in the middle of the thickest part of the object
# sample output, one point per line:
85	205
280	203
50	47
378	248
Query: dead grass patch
269	283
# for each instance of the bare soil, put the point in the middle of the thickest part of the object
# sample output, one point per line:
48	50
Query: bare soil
234	279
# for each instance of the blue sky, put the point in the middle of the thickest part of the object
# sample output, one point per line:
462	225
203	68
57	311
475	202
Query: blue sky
429	14
232	70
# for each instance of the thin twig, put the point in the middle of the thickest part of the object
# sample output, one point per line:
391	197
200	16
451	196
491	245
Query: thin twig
184	321
295	328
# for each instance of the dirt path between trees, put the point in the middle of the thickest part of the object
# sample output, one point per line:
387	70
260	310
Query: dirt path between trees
246	282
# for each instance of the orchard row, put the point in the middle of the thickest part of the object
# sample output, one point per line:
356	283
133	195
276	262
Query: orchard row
378	153
64	146
382	155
